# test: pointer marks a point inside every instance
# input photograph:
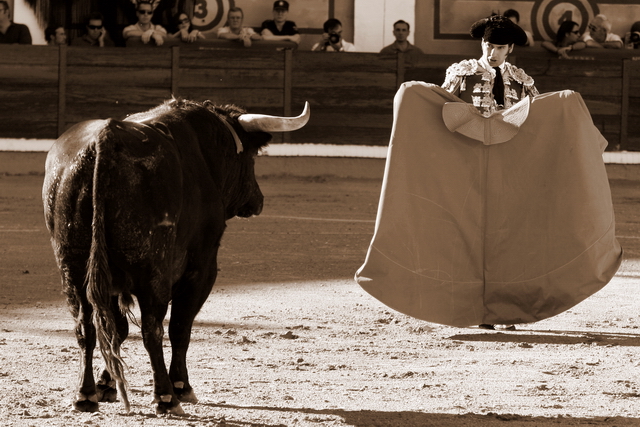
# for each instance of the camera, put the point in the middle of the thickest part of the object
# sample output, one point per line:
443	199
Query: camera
334	38
634	35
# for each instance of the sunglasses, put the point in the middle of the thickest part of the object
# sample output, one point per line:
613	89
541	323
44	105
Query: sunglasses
95	27
145	12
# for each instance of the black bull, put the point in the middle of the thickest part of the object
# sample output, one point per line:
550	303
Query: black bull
138	207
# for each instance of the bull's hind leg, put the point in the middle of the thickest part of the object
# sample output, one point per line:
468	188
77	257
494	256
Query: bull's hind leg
73	274
89	393
187	301
86	398
106	387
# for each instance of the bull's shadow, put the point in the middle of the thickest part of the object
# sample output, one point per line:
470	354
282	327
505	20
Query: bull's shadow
368	418
554	337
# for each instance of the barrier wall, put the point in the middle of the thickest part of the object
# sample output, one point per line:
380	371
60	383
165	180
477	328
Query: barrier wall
46	89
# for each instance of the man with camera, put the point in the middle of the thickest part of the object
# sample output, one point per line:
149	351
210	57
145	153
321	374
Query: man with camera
332	39
632	38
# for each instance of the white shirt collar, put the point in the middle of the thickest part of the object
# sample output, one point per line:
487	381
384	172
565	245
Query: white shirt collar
485	64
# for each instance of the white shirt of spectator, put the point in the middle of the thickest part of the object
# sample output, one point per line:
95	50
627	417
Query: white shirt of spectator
611	37
248	31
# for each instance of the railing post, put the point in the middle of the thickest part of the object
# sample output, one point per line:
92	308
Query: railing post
62	88
175	70
400	69
624	108
288	71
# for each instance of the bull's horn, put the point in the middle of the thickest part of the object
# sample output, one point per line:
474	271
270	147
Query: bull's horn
262	122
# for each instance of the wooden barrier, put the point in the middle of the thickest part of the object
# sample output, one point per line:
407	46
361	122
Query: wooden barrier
29	91
46	89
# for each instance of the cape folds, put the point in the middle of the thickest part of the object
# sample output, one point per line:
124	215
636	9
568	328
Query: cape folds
505	233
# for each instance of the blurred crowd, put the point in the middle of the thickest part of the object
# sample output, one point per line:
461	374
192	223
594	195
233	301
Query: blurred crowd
153	27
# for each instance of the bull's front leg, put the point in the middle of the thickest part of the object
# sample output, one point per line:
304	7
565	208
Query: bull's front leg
180	336
152	314
188	298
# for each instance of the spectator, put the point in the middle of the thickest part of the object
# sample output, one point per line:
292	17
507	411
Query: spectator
331	40
567	40
10	32
235	31
632	38
96	34
144	28
515	18
278	28
55	35
186	32
600	35
401	31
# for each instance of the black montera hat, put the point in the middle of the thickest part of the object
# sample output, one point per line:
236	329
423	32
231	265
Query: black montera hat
498	29
281	4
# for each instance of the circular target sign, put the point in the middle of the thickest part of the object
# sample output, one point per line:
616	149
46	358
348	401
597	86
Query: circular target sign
547	15
208	14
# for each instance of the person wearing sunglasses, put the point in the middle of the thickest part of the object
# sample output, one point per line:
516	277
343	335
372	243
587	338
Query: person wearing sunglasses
144	28
96	34
10	32
599	34
567	40
185	30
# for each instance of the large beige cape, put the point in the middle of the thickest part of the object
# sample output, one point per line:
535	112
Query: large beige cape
512	232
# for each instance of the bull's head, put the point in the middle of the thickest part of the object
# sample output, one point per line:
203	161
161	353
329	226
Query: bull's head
260	124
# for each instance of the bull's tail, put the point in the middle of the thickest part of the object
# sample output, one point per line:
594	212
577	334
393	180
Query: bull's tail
100	290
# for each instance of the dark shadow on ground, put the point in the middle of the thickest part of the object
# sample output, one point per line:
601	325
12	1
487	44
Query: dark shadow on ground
554	337
367	418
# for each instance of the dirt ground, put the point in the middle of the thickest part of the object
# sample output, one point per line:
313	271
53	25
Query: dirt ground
289	339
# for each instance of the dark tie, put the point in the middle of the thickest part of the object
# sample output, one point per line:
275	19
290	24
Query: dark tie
498	87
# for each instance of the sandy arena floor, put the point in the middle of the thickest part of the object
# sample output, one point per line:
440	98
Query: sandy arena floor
287	338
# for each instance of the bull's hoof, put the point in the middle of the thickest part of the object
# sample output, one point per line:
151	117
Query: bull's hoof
106	393
168	404
168	408
185	395
85	406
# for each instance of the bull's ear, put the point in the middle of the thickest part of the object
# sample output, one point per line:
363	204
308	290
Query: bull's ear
264	123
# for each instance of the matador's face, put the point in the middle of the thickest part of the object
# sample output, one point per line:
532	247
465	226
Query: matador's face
495	54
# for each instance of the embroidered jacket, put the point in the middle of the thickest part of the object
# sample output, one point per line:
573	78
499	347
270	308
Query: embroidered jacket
473	83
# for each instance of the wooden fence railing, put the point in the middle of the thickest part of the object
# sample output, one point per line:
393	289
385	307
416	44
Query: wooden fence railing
44	89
